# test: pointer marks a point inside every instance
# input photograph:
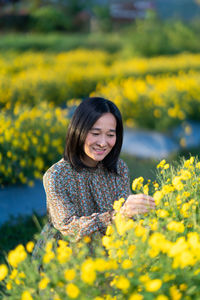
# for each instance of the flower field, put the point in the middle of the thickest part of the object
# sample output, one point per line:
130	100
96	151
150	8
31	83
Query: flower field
30	140
30	78
38	89
152	257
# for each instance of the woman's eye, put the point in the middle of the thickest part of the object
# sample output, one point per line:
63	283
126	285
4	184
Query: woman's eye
110	135
95	134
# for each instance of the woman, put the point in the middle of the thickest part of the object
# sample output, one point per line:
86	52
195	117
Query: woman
82	187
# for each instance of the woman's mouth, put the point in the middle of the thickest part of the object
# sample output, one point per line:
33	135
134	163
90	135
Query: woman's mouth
100	151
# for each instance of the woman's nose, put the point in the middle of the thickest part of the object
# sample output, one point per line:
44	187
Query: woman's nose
101	142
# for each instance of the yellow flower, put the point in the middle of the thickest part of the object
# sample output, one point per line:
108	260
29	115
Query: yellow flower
109	230
153	285
16	256
64	254
177	183
30	246
122	283
72	290
162	297
100	264
166	166
176	226
136	297
87	239
137	183
158	195
184	259
13	274
144	278
127	264
189	162
107	241
141	231
183	287
70	274
174	293
146	189
56	297
43	283
3	271
131	250
117	204
22	275
26	295
48	257
122	224
88	274
9	286
185	175
162	213
153	224
161	164
197	165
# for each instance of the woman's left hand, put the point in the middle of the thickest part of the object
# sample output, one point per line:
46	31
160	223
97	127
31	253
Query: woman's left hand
137	204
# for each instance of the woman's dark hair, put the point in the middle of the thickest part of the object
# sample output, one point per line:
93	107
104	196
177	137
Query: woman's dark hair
85	115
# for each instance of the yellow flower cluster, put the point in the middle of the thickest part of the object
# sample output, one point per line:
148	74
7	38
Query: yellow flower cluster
156	256
155	101
35	77
30	78
30	140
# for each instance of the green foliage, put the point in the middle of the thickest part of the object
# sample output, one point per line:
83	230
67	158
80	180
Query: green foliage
19	230
102	14
153	37
58	42
48	19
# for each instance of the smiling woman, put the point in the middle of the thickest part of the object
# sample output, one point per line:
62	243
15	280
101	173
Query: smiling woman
82	187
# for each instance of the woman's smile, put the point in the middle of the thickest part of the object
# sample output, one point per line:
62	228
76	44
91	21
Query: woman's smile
100	140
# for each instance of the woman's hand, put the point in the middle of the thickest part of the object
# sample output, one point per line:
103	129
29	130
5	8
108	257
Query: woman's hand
137	204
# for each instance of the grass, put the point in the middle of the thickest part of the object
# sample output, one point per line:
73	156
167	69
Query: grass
58	42
19	230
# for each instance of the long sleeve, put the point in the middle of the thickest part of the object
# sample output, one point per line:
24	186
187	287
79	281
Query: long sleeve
64	210
123	180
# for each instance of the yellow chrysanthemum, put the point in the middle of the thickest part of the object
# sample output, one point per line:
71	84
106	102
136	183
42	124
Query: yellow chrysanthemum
3	271
153	285
26	295
72	290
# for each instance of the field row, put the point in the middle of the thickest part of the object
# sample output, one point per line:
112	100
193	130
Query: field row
32	77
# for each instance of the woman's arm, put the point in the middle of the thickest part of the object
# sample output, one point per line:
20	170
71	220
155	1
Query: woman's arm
63	212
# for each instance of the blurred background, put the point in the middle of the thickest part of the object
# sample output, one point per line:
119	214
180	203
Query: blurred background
143	55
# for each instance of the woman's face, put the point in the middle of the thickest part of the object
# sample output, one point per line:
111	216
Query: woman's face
100	140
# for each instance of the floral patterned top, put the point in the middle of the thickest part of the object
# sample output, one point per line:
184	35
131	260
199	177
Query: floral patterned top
80	203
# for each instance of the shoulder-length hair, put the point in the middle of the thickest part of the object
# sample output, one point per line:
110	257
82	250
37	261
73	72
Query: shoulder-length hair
85	115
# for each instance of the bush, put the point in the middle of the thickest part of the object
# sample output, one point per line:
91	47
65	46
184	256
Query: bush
153	37
14	22
47	19
151	257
